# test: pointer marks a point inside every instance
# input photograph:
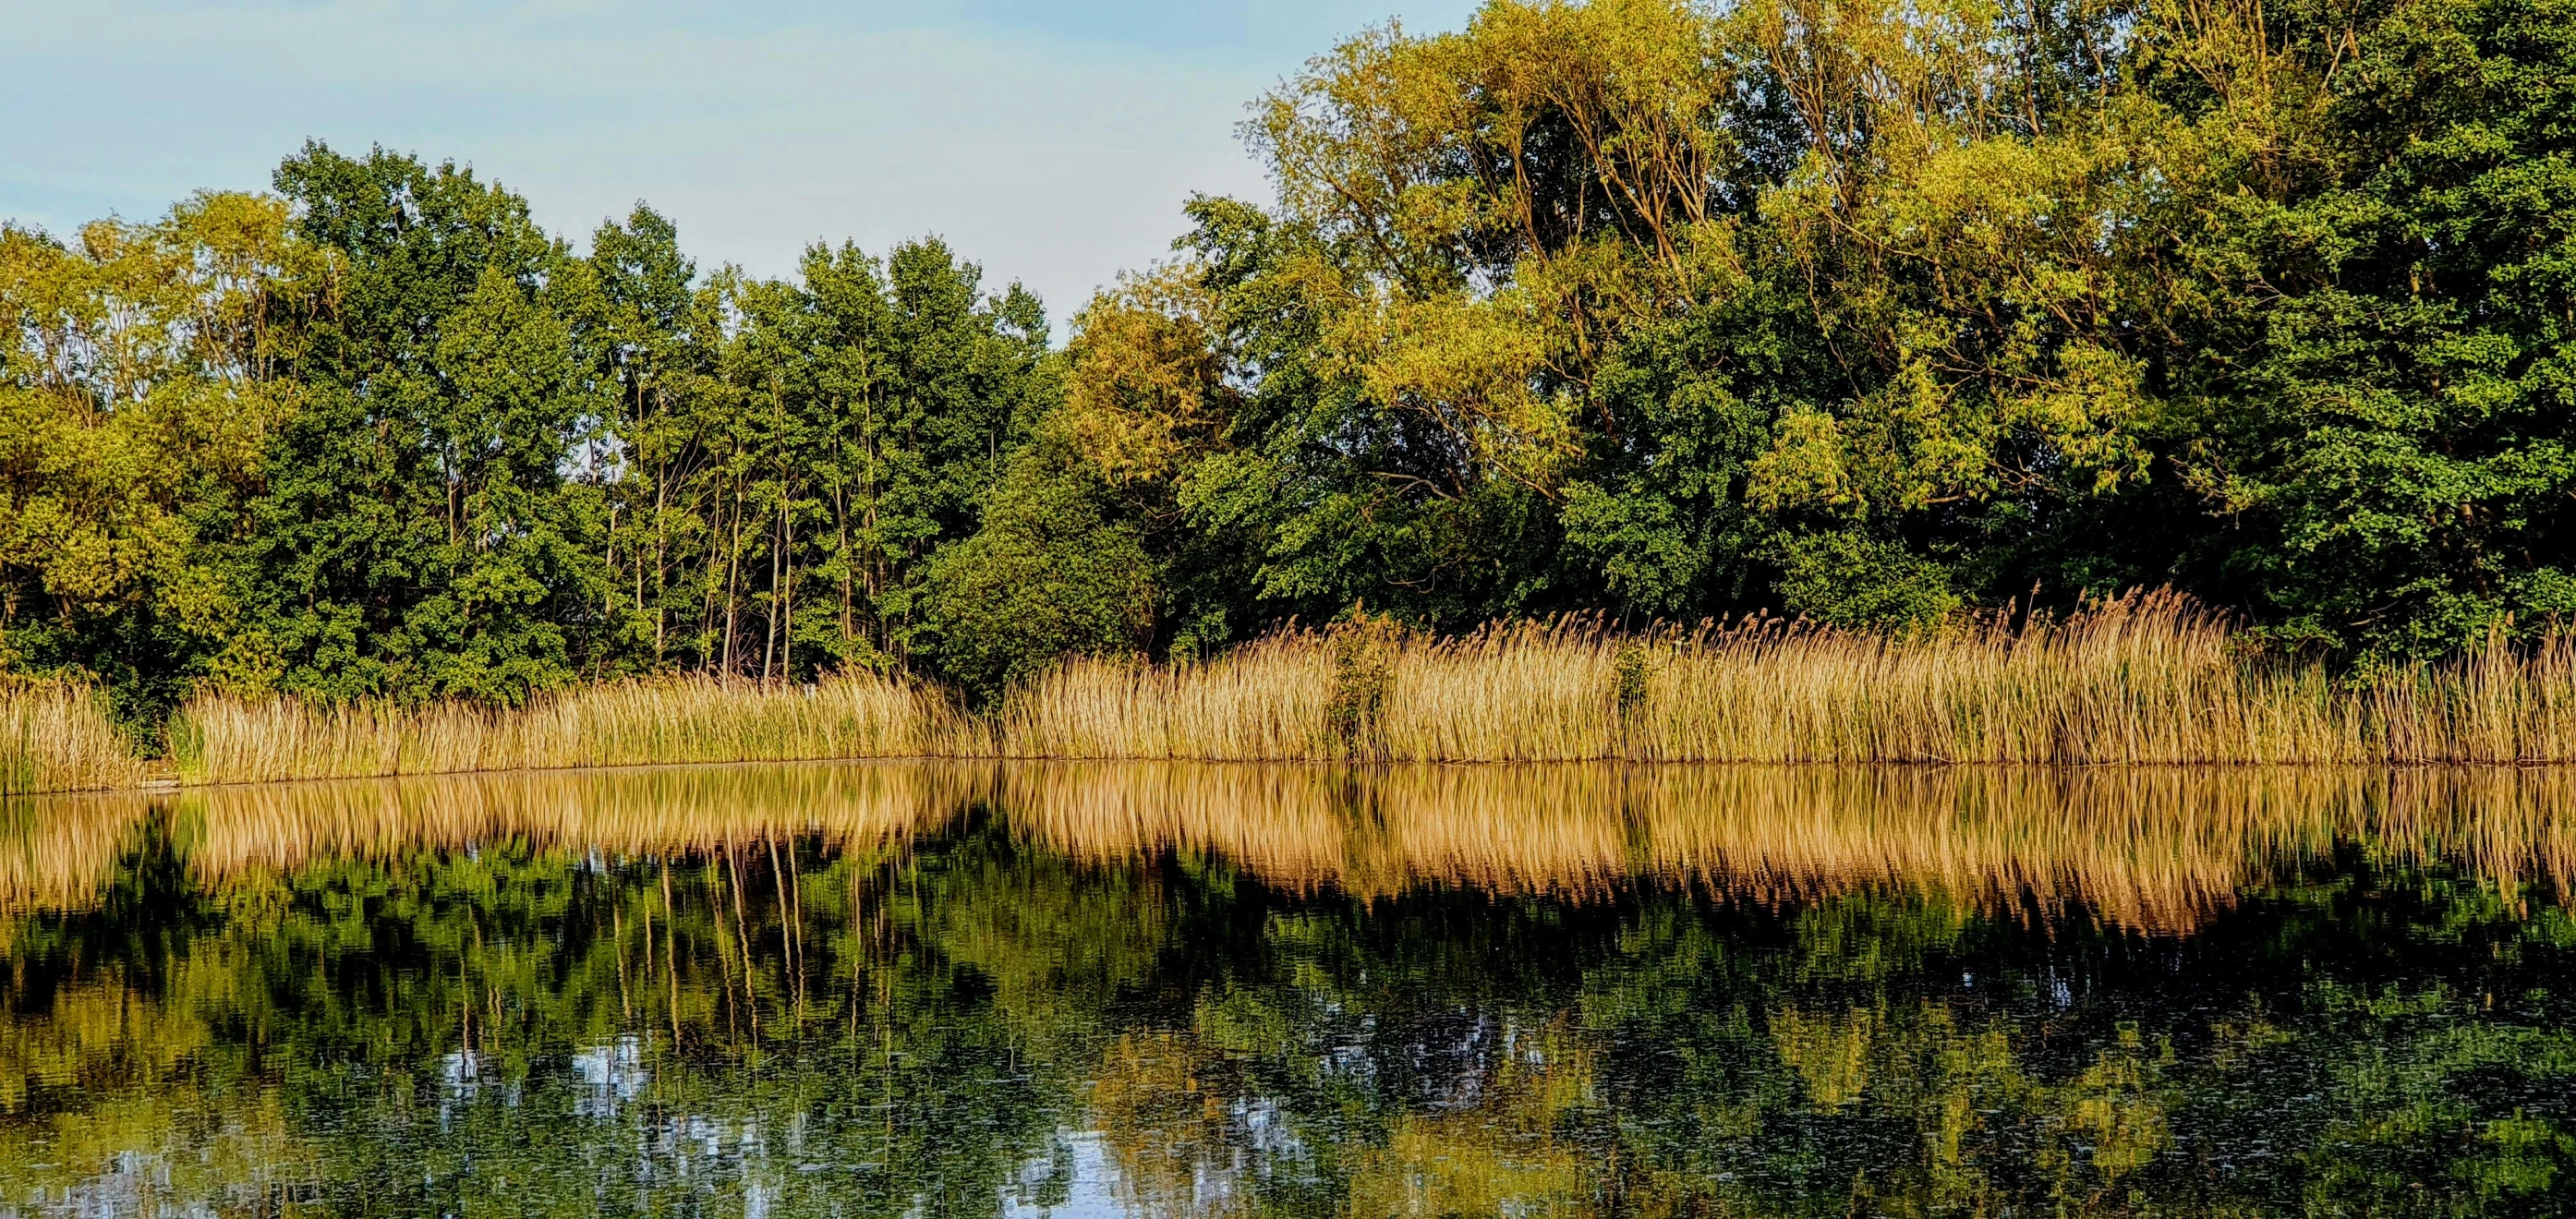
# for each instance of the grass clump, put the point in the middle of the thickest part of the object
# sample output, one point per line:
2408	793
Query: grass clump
57	736
220	739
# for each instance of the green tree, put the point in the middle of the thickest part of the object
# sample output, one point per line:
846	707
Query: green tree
1049	575
2381	417
417	534
140	381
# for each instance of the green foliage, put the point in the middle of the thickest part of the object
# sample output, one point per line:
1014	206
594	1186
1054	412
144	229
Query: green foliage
382	436
2393	411
1363	672
415	533
1845	579
1046	577
1638	306
1675	311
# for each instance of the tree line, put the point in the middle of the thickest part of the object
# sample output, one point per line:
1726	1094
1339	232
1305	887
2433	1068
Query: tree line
1863	311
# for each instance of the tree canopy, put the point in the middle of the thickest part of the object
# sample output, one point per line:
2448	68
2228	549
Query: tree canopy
1867	312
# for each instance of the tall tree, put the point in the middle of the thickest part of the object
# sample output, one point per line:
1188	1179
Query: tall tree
418	534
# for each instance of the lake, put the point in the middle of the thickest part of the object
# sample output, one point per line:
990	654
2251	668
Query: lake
1058	989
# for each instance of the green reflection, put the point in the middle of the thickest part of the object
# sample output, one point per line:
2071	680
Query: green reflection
888	991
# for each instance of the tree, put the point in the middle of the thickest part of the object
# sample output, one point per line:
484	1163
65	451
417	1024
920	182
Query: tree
2382	421
1048	576
138	388
417	535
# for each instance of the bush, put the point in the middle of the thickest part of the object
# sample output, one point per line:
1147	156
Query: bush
1847	580
1044	579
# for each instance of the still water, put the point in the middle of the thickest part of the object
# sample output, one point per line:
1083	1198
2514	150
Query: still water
1210	990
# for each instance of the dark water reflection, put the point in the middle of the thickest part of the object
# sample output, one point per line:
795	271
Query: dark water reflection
1214	990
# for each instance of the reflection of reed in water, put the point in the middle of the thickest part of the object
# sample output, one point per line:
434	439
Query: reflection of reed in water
2146	849
622	812
2154	850
57	852
2513	827
1283	823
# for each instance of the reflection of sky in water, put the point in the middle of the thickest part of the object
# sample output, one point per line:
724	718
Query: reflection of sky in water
1075	1181
612	1075
1076	1174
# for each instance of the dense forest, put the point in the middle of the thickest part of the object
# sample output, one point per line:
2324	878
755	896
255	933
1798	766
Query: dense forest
1868	312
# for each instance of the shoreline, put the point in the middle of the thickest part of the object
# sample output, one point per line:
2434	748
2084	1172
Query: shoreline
2141	681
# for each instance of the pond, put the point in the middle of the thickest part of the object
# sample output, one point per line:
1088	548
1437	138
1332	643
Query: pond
1026	989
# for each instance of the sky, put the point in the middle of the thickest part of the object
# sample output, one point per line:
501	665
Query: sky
1052	142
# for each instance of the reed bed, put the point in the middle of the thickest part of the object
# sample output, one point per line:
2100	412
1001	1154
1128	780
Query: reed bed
228	740
2139	680
1272	700
2144	679
1520	693
56	737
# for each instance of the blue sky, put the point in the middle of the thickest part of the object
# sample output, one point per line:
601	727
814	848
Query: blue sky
1053	142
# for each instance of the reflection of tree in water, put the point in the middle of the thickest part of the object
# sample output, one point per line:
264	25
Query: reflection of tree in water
818	1002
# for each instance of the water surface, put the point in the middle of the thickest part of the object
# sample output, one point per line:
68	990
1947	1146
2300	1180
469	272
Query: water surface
1087	990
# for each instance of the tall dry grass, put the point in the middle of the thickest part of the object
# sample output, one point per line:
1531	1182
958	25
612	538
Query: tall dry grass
219	739
1271	700
2148	678
56	737
2144	679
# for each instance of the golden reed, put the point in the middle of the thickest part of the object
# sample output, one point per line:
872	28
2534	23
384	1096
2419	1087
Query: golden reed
2142	679
2156	849
2147	678
57	737
230	740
